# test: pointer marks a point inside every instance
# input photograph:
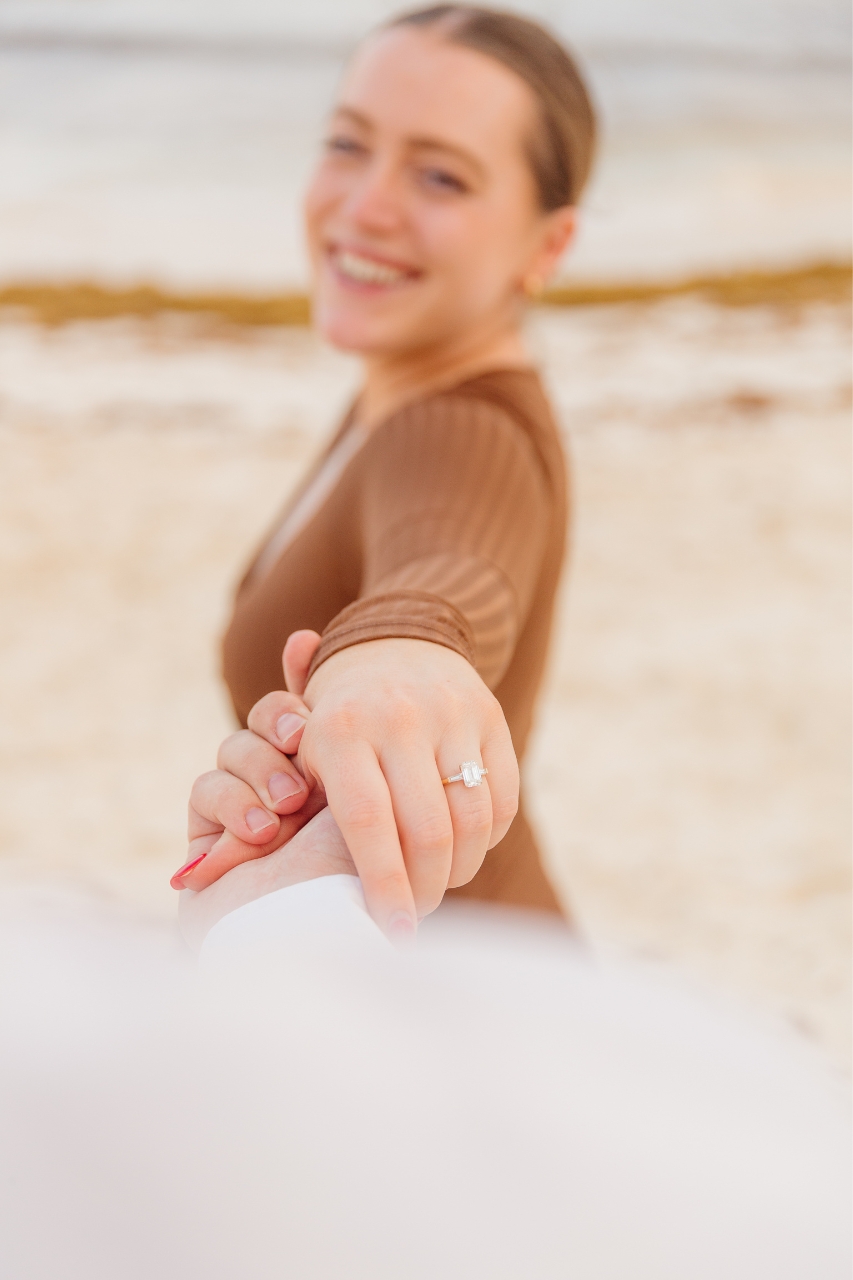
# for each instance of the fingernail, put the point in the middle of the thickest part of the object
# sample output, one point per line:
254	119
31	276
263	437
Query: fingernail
402	929
176	879
258	819
287	725
283	785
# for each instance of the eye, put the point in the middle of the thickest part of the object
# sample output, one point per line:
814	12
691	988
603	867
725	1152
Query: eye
443	180
341	144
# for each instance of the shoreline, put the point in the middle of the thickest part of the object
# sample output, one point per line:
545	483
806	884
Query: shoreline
53	304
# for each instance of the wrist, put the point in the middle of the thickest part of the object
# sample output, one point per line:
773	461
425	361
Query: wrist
400	655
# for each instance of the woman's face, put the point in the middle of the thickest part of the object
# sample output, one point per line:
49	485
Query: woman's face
422	216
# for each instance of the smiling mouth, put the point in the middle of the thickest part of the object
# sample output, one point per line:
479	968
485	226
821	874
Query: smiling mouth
365	270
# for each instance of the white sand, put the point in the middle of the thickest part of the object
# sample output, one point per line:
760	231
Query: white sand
691	768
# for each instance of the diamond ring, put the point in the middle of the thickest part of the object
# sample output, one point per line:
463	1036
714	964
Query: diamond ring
472	774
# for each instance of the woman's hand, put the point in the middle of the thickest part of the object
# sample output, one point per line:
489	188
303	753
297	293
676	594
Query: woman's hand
389	719
251	804
256	799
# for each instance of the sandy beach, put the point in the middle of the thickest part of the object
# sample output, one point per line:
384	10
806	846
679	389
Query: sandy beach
690	770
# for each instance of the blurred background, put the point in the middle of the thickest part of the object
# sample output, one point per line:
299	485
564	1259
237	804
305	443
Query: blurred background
159	398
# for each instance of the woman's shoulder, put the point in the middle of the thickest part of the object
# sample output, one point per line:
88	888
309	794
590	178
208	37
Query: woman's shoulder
516	391
505	394
505	407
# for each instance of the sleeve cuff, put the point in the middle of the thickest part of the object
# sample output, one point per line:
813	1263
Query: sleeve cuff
327	915
407	615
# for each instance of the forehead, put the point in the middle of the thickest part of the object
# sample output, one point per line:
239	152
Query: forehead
419	85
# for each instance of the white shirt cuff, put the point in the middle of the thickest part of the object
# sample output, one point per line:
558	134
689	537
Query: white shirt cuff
326	915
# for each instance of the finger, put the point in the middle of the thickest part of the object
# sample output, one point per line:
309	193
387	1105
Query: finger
503	781
220	798
210	857
198	825
360	802
471	815
423	821
317	850
270	773
280	718
296	659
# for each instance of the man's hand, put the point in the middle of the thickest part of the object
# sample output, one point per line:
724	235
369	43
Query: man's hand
317	850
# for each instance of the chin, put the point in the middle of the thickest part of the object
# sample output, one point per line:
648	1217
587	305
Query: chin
351	329
347	336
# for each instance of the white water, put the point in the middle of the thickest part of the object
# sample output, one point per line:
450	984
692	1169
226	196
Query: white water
170	141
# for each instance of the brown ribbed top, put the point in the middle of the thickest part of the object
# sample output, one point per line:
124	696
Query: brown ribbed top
448	525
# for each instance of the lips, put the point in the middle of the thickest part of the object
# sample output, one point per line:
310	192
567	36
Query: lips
364	269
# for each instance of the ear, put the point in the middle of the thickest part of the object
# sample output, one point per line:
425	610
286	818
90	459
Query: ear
558	232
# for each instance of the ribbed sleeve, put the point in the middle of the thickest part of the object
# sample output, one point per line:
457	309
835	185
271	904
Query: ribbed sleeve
454	516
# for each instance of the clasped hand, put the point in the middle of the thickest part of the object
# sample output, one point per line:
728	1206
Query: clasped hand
372	735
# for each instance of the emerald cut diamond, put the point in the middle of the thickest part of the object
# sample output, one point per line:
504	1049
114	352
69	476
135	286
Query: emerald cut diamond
472	774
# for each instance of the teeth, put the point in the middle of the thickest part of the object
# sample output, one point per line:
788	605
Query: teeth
366	271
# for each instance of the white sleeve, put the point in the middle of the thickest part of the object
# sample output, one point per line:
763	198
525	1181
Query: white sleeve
326	915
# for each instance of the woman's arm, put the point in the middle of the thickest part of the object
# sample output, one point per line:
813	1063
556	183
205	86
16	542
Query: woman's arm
454	518
454	514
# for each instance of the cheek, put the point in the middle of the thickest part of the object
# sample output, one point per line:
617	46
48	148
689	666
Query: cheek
321	198
473	249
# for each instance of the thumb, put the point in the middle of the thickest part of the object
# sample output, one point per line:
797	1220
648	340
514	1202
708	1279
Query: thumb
296	659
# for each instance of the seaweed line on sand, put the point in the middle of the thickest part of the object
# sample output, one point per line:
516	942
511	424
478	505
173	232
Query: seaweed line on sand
62	303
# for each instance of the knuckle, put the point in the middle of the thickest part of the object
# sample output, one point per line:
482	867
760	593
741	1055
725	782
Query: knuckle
262	718
389	882
504	811
231	746
497	730
341	721
431	834
361	814
456	708
405	715
202	787
475	819
265	709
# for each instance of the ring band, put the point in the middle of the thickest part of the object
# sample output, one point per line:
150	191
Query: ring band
472	774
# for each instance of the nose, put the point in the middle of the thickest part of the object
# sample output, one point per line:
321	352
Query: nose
375	203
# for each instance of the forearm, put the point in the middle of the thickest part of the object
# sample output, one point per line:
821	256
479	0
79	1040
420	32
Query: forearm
454	515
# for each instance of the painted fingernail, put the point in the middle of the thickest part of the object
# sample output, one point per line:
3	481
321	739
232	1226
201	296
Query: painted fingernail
258	819
402	929
176	879
283	785
287	726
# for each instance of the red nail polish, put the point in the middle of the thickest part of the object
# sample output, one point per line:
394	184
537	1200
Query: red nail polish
176	879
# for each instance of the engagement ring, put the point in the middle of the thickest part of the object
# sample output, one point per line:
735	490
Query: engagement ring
472	774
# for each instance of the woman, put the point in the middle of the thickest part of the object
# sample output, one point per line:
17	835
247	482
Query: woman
413	579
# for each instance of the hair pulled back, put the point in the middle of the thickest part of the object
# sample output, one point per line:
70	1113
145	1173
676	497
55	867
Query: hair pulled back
561	149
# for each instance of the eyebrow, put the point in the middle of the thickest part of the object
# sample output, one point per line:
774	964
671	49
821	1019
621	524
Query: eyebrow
425	143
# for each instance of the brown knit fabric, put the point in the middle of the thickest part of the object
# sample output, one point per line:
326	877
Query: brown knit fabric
448	525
